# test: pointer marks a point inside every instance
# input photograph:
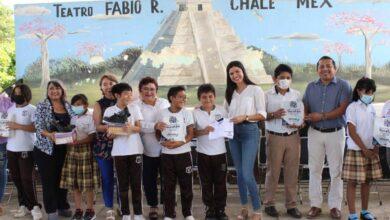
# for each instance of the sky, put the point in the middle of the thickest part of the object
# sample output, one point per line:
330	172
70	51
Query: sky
278	31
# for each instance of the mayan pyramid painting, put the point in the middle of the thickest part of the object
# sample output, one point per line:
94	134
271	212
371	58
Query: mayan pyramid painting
193	46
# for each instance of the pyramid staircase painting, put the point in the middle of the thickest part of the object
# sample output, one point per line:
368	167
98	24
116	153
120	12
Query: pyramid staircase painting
194	46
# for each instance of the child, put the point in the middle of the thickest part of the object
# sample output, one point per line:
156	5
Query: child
19	150
176	161
80	172
212	163
127	151
361	164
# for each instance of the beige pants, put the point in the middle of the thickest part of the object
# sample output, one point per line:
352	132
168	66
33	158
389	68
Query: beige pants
282	150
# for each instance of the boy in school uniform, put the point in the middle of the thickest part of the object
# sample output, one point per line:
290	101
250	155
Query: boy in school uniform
212	165
175	128
127	151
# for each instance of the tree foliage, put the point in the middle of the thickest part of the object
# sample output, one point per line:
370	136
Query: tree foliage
7	47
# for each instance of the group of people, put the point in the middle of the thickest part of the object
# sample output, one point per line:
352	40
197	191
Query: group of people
142	155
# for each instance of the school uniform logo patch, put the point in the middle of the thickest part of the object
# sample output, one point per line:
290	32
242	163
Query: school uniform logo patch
4	115
189	169
24	113
138	159
218	117
293	104
387	122
172	119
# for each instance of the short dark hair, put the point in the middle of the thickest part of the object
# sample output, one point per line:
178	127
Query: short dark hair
174	90
120	87
363	83
25	91
326	58
282	68
205	88
147	80
78	97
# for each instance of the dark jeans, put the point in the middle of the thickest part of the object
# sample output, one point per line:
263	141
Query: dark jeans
177	167
129	172
151	169
21	165
3	169
212	173
49	167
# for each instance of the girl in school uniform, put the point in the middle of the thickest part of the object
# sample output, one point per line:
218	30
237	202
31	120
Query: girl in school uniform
80	171
361	163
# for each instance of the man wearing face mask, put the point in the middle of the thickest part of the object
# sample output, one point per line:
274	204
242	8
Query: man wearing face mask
326	100
283	143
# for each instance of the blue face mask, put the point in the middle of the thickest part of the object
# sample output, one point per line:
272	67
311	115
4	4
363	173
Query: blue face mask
78	110
367	99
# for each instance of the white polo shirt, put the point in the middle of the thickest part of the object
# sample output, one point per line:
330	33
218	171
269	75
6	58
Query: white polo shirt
363	117
183	119
202	119
273	101
386	110
250	101
130	144
152	147
84	125
20	140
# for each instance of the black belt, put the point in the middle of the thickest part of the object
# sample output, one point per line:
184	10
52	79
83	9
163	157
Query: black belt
282	134
327	130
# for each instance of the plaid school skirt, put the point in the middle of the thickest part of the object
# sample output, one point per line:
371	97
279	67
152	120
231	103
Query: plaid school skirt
80	170
360	169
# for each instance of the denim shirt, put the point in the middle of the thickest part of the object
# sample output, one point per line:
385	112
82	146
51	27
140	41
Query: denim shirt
43	118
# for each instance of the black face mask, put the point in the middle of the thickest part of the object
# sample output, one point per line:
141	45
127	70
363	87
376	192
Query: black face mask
18	99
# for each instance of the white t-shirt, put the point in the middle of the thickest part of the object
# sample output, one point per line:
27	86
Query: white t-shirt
131	144
273	101
19	140
152	147
183	119
250	101
363	118
84	125
386	110
202	119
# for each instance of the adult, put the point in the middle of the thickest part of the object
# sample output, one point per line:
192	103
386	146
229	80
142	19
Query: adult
52	113
245	104
326	100
103	144
283	143
5	104
386	114
150	106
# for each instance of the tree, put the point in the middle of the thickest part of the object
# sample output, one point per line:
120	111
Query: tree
43	31
361	24
7	48
339	49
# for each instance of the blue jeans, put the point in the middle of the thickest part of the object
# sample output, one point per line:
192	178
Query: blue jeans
244	147
3	169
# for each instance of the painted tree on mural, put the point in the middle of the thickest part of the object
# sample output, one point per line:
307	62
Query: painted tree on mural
361	24
339	49
92	50
43	31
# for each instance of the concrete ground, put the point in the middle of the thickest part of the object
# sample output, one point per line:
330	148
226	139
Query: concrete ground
381	211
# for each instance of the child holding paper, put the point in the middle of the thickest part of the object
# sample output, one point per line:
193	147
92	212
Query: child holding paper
80	171
361	163
175	127
212	164
127	150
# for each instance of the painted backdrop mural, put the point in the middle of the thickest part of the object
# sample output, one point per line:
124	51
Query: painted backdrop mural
190	42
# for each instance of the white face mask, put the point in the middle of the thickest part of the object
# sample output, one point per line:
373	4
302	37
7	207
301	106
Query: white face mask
284	83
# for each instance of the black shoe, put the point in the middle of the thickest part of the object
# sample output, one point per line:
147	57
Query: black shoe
271	211
294	212
78	215
221	215
89	215
210	214
66	213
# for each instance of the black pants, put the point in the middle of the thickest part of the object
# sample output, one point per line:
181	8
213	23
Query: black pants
49	167
151	169
129	172
212	173
177	167
21	165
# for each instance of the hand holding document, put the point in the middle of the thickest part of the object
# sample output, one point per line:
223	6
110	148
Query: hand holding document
222	129
382	132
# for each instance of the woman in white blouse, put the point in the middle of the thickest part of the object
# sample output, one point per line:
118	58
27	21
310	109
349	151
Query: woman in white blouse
245	104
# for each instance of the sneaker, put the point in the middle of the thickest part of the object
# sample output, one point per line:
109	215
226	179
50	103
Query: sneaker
110	215
52	216
126	217
67	213
78	215
190	217
89	215
36	213
139	217
22	211
367	216
210	214
271	211
221	215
